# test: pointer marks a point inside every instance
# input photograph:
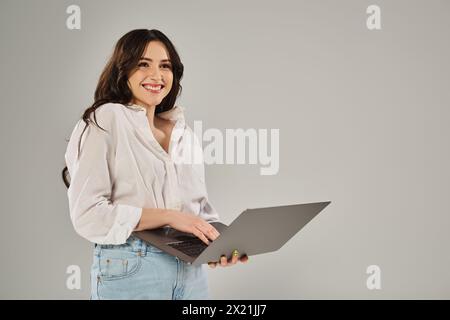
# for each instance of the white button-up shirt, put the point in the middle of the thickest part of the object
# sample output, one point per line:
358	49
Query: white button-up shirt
123	170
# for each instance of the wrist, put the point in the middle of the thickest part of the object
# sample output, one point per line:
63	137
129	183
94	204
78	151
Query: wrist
152	218
170	217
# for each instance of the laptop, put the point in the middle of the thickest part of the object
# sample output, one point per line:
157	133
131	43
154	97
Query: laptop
254	231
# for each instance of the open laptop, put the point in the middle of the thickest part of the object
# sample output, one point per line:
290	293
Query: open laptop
254	231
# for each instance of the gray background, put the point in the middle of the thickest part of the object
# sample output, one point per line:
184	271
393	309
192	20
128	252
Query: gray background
363	118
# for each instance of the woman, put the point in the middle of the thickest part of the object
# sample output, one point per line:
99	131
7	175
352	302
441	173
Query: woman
124	177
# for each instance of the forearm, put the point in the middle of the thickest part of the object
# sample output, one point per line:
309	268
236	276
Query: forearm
152	218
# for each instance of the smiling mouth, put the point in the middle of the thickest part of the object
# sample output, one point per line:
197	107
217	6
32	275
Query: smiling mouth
153	88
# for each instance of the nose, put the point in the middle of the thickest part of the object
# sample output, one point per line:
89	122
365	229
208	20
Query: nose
155	73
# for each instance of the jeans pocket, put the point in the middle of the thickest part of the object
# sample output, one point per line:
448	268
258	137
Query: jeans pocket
117	264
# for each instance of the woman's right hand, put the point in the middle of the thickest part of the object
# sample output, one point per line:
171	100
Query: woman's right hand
190	223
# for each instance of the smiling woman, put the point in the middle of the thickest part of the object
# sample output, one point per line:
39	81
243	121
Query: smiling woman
152	80
121	176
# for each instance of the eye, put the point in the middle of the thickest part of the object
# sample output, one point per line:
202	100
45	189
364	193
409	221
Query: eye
167	66
143	64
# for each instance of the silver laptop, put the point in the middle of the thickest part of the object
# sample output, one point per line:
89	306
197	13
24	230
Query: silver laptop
253	232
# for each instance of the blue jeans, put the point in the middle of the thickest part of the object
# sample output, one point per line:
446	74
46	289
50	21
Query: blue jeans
136	270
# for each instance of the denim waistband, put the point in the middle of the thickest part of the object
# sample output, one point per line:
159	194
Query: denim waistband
133	244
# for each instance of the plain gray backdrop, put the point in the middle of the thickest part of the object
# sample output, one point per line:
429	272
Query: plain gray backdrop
363	118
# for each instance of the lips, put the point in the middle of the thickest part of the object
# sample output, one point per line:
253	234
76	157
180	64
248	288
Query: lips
153	86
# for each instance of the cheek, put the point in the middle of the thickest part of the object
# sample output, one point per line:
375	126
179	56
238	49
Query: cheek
171	84
168	89
135	80
135	88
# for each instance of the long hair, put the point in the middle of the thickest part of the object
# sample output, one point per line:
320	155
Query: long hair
112	86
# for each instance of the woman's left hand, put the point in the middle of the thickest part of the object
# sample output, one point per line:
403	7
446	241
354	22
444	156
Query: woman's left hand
224	262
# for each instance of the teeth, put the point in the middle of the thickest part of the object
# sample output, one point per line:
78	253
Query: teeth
148	87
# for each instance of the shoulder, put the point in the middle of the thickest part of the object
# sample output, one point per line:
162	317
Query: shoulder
108	114
105	116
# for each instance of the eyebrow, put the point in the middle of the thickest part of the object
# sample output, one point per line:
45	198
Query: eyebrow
148	59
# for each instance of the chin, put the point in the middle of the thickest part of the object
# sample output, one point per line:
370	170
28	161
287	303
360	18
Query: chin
151	102
155	102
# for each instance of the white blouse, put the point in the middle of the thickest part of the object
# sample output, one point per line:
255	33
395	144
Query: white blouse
123	170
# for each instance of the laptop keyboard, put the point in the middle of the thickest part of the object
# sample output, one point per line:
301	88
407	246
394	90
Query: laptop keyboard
189	246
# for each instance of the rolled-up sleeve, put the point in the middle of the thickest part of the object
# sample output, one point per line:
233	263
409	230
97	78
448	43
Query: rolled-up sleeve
94	216
208	212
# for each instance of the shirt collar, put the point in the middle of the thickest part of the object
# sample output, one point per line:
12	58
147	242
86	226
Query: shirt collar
176	113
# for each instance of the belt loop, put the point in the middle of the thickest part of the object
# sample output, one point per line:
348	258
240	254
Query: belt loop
140	247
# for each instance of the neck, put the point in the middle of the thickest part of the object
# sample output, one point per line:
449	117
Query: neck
151	115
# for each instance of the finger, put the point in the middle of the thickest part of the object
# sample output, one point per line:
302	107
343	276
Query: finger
201	236
223	261
234	257
209	229
213	232
244	258
204	228
212	235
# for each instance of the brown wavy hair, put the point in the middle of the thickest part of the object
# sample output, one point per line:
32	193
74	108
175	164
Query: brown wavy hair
112	86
